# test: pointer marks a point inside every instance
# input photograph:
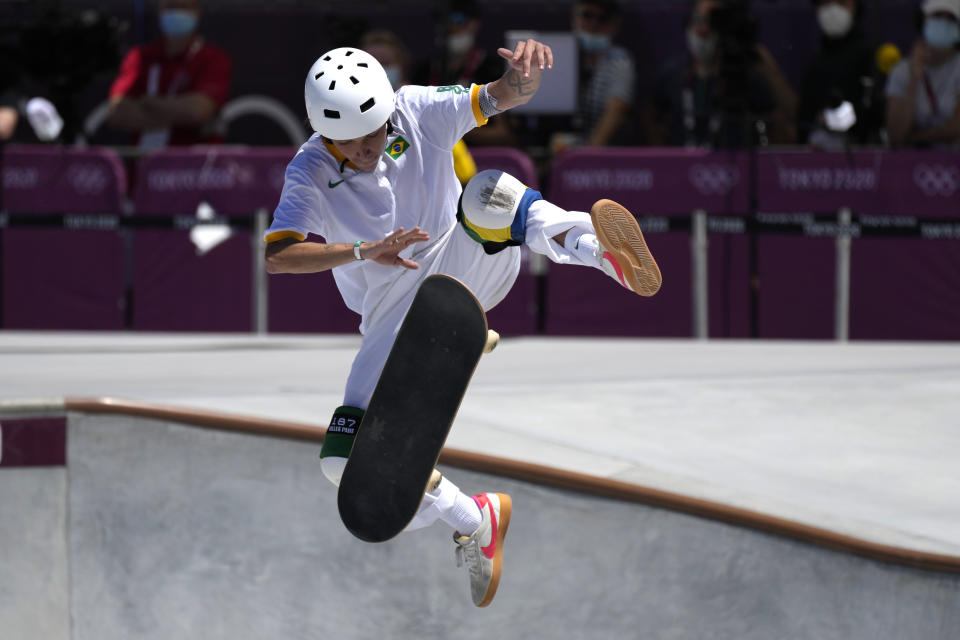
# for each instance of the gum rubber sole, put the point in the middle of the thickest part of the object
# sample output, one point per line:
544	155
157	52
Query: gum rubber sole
506	506
620	234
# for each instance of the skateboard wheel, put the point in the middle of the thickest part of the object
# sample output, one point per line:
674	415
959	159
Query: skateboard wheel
493	339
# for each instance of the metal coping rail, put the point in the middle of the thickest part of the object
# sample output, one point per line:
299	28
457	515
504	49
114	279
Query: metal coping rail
529	472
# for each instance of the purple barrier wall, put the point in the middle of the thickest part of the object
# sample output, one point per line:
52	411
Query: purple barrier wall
60	278
796	284
175	286
513	161
901	288
308	303
235	181
651	183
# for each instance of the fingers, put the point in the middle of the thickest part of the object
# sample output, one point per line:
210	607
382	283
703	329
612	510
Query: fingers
518	58
407	238
526	54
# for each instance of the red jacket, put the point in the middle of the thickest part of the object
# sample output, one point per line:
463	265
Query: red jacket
146	70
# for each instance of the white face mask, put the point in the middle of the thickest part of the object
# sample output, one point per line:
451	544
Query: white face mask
941	33
703	49
593	42
459	43
836	21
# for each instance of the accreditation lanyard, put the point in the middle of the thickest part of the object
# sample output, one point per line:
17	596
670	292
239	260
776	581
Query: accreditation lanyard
931	96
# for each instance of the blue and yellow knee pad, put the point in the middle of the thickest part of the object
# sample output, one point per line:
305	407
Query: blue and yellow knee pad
493	210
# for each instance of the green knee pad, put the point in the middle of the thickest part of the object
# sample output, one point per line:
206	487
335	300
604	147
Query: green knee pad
340	434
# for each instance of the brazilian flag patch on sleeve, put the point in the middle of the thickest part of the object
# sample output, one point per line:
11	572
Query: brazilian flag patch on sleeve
396	148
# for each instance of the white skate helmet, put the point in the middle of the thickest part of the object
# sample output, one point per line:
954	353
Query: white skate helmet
348	94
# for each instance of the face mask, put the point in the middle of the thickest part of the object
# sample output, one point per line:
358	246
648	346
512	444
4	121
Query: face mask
394	75
836	21
703	49
178	22
941	33
593	42
459	43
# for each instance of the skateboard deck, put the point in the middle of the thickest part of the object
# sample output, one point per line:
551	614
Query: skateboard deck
412	409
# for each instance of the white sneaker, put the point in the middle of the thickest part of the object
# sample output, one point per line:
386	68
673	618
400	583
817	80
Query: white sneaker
483	551
622	251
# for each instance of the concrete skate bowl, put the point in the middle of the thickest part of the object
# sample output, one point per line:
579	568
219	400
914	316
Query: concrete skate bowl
126	520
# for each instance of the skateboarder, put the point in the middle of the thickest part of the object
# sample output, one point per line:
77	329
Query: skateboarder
376	182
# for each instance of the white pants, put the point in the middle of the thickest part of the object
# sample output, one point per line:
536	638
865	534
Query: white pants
490	277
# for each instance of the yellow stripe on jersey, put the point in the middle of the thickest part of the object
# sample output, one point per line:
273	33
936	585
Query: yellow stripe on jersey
475	103
283	235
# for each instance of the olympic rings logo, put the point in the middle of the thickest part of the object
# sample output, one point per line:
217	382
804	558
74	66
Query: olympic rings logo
937	179
714	179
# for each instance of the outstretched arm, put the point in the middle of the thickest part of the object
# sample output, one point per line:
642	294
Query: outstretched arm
294	256
527	62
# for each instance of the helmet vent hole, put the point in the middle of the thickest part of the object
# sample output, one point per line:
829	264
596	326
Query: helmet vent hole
317	77
327	58
339	66
354	80
349	53
362	64
333	83
366	106
330	113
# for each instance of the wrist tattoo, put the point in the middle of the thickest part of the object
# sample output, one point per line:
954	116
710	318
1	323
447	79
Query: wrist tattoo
522	86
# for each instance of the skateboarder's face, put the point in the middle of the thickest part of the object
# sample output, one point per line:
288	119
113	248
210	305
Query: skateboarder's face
364	151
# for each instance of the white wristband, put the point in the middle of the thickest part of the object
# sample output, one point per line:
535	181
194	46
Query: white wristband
356	249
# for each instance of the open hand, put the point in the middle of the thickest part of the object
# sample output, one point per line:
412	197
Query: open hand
386	251
527	54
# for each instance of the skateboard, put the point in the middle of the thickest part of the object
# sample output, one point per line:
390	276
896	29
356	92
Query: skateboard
412	409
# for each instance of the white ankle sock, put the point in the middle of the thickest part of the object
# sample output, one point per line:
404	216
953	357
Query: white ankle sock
449	504
582	244
463	514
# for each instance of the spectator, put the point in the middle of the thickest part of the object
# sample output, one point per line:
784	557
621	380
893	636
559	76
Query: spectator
9	116
922	92
463	63
8	121
171	91
389	50
10	97
607	75
697	105
844	70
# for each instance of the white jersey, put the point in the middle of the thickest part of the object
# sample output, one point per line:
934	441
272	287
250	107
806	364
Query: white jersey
413	185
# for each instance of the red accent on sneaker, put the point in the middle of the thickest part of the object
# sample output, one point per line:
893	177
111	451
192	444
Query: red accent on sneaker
483	501
616	266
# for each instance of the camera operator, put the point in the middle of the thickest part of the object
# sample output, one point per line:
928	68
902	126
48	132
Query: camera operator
729	91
